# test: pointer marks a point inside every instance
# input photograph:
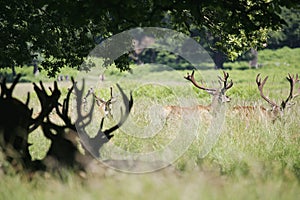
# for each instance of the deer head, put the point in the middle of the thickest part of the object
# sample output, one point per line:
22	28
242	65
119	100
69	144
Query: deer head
218	93
105	106
94	144
277	109
63	148
15	119
16	122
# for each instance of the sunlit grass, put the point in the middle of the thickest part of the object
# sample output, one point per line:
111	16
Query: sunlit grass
253	158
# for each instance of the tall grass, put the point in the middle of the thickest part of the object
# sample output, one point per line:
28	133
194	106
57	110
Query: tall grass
253	158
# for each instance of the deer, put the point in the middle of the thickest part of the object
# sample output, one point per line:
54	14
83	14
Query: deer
105	106
277	110
17	121
64	138
68	141
218	95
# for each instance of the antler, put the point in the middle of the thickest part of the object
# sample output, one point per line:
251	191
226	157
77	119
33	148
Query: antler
260	85
192	79
128	105
226	85
64	113
48	103
5	92
292	80
103	136
83	120
218	93
107	104
15	118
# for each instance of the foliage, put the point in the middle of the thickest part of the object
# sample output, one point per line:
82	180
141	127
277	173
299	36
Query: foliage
253	159
64	32
28	76
289	34
270	58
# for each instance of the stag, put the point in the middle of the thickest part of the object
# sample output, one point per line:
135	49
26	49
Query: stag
64	144
17	122
105	106
218	94
277	110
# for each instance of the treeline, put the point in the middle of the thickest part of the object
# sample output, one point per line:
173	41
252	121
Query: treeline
287	36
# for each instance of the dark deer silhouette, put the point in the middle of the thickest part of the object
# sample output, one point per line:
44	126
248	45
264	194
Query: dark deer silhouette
64	144
17	122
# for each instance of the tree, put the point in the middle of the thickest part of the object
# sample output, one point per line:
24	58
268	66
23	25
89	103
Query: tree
65	31
289	34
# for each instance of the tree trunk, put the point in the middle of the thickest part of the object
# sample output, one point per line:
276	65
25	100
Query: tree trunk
253	61
13	71
219	59
35	69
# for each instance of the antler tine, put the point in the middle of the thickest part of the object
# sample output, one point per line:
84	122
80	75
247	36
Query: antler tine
48	102
99	101
4	90
64	113
109	101
229	85
27	99
111	93
260	85
226	75
42	87
128	106
82	119
192	79
292	80
226	85
12	87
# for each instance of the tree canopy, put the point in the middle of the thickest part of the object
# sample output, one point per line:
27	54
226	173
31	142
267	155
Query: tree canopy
289	34
65	31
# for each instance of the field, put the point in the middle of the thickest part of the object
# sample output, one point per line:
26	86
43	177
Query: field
253	158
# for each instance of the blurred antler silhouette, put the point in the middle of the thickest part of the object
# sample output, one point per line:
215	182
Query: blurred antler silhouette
16	122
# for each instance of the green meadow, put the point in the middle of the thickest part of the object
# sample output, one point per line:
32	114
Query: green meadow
253	158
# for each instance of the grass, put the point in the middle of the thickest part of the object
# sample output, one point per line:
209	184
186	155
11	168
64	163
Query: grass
252	159
194	185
